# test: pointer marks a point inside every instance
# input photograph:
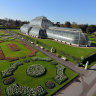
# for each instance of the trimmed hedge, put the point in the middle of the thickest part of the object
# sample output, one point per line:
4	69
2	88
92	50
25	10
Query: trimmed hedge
8	81
60	77
11	69
16	90
36	70
41	59
50	85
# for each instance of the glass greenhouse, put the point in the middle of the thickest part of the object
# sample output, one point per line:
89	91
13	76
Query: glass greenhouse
41	27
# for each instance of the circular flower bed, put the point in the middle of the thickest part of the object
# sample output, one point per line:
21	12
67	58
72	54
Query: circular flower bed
36	70
50	85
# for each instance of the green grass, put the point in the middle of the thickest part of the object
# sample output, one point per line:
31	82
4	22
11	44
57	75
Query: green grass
22	79
69	49
15	30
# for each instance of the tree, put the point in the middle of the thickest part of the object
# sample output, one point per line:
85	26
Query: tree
83	27
74	25
58	24
91	28
67	24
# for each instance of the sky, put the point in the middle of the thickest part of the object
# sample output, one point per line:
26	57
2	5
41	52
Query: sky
79	11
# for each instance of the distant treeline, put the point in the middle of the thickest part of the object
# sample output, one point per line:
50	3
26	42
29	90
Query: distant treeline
85	27
16	24
11	24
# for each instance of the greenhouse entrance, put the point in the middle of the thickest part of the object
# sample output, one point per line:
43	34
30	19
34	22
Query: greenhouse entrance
42	34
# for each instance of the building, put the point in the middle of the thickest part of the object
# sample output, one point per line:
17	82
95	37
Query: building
41	27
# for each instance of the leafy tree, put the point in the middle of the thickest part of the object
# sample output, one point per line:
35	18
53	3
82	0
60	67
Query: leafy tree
58	24
83	27
74	25
91	28
67	24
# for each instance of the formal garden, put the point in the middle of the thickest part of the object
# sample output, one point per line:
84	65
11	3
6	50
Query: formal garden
26	71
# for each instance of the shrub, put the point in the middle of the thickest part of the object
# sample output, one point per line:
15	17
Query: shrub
26	61
41	59
50	85
16	90
60	76
8	81
36	70
11	69
54	63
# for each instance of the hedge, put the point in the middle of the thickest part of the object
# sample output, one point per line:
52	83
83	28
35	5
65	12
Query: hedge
41	59
50	85
60	76
8	81
11	69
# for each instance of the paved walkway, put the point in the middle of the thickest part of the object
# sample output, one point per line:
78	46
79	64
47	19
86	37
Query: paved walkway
68	64
83	86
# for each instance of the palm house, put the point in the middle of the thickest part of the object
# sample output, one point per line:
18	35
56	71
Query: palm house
41	27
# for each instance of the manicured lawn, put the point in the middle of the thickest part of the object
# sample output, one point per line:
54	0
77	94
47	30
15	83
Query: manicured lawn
23	79
23	50
74	51
20	74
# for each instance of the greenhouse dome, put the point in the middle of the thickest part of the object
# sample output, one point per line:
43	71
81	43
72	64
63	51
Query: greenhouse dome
41	27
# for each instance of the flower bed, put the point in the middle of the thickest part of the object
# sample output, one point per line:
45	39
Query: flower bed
11	58
33	51
36	70
11	69
2	57
60	77
13	47
41	59
16	90
8	81
50	85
